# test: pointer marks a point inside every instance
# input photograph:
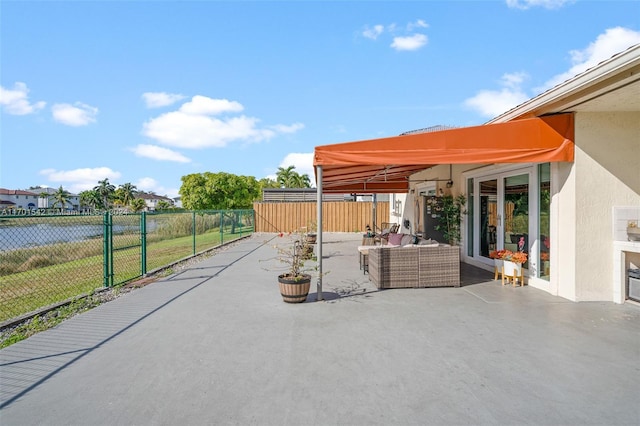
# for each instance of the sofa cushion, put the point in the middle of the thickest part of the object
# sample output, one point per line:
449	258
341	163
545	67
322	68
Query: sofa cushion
427	242
406	239
395	239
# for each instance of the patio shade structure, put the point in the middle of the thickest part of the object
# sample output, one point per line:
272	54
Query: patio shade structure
384	165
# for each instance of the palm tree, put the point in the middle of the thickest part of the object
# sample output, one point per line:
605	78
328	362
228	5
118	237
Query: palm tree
127	193
283	176
300	181
163	205
61	197
90	198
105	190
138	204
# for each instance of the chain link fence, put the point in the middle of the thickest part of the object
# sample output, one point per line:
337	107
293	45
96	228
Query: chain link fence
48	259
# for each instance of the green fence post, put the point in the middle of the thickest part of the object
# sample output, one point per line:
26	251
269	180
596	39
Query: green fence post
107	249
193	230
111	256
221	227
143	243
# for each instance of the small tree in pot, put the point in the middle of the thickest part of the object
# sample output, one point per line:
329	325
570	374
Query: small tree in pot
452	209
295	282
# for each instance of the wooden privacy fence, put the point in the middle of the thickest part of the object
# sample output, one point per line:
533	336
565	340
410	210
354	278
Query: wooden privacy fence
338	216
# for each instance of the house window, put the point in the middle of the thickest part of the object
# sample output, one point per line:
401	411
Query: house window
544	212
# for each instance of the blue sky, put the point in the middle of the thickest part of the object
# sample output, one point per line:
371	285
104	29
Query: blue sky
145	92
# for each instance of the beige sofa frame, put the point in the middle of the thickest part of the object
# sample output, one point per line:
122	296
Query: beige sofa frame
416	266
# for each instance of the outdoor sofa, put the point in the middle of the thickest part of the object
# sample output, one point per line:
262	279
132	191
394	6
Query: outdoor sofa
414	266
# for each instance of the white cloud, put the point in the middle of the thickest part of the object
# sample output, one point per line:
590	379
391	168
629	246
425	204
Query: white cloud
151	185
418	24
160	99
80	179
612	41
373	33
402	40
202	105
281	128
495	102
492	103
16	101
158	153
76	115
193	126
547	4
413	42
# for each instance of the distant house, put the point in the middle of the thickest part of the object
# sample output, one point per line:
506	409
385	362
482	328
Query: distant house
152	200
46	200
18	199
34	199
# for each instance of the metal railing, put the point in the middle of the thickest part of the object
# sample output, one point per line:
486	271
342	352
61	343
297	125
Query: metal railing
47	259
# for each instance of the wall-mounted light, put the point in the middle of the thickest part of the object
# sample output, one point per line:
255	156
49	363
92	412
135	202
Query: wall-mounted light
449	184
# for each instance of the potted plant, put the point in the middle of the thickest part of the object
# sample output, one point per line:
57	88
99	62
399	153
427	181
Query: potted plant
295	282
496	255
452	209
311	233
511	264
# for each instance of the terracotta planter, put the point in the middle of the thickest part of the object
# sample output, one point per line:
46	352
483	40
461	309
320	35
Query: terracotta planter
294	290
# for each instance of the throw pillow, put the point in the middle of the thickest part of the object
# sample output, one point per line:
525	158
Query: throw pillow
406	239
395	239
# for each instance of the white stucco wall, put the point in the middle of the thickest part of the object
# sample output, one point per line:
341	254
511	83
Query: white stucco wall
606	173
563	229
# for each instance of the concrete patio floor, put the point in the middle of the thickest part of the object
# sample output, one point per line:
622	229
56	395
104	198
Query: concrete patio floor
215	344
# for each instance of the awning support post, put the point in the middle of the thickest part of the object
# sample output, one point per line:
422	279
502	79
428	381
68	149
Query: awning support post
319	226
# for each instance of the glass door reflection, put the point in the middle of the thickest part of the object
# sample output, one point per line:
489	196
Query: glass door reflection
488	216
516	214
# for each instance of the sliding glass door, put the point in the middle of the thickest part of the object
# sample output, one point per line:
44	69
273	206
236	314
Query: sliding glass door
502	219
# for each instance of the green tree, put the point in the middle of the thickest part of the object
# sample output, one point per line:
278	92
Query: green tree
163	205
219	191
450	217
90	198
300	181
138	204
61	197
268	183
105	190
284	175
289	178
126	193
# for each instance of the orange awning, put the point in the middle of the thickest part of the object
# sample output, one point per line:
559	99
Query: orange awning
384	165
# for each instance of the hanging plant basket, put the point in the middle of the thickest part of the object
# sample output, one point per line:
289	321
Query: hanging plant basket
294	290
